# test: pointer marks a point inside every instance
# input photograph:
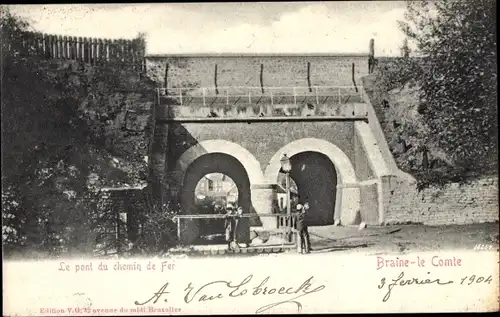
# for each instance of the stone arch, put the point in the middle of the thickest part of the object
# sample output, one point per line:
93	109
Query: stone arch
247	160
339	159
215	156
347	192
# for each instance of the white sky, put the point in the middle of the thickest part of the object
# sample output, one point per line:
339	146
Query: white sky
299	27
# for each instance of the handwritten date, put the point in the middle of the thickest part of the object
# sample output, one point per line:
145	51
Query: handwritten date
402	281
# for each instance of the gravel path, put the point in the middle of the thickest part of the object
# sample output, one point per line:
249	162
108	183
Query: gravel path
404	238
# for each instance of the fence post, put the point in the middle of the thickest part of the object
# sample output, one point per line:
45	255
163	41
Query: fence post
134	54
316	92
121	49
79	46
88	50
114	46
227	96
44	45
56	46
93	52
99	51
294	96
131	53
112	50
60	47
203	91
70	47
249	98
65	48
107	50
49	46
75	48
38	44
272	99
126	53
339	95
53	46
180	94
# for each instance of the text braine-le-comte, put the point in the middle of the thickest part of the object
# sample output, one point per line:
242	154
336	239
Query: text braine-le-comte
417	261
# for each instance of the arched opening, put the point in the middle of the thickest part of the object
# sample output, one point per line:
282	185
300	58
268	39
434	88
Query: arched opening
315	180
345	198
213	193
196	230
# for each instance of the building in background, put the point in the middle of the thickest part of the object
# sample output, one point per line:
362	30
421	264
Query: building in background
218	187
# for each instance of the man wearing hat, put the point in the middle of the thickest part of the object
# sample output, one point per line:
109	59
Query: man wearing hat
305	244
229	224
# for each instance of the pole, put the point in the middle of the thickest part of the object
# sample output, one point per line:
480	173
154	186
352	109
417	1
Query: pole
288	208
179	230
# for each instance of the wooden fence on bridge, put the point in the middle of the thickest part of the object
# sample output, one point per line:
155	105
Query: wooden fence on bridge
94	51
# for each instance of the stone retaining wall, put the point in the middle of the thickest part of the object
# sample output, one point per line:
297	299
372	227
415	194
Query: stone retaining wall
475	201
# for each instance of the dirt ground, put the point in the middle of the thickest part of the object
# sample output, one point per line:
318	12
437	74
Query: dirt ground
403	238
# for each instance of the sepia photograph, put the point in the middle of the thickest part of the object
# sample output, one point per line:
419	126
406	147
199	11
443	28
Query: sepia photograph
226	138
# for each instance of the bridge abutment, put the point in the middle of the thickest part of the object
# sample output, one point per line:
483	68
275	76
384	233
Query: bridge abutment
263	202
348	205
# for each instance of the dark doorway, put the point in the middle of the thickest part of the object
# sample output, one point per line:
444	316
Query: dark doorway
316	181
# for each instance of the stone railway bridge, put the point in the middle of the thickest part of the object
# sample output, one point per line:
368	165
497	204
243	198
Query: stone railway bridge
340	159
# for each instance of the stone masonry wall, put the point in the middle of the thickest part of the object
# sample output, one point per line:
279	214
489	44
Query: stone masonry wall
115	100
473	202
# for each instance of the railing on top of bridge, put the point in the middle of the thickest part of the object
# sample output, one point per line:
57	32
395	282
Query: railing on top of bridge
269	95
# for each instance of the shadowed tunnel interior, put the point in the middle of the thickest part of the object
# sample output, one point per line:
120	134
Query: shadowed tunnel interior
316	181
214	163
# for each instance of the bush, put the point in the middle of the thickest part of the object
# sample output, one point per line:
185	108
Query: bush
159	230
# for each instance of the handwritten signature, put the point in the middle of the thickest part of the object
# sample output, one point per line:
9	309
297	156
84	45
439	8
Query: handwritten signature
217	290
404	282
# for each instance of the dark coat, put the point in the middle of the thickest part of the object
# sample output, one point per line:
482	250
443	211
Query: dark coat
301	221
229	222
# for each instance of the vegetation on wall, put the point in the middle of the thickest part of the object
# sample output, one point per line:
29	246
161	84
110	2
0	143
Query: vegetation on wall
63	138
440	111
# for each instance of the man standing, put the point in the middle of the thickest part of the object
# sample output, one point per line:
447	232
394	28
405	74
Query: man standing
305	244
229	225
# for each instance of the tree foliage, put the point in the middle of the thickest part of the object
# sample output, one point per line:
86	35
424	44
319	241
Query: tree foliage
458	78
